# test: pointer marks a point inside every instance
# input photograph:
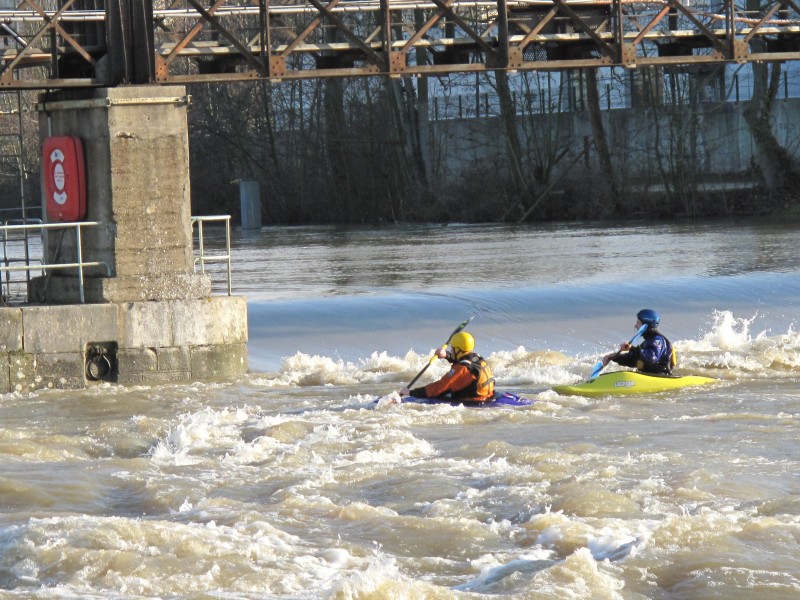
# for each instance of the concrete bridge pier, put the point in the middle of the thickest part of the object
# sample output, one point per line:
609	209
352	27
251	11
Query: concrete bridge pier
148	316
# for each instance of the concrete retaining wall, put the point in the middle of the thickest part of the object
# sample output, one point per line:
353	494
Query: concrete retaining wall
639	141
177	340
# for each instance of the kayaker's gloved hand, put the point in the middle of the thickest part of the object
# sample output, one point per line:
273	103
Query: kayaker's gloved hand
624	347
416	392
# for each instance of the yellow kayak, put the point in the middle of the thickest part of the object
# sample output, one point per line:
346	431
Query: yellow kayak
620	383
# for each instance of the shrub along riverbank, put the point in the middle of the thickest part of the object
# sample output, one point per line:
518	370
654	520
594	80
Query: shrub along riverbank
358	152
372	151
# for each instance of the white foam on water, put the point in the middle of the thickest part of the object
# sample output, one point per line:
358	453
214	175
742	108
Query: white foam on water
728	347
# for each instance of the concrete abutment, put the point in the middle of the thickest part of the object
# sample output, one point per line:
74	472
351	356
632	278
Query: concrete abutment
162	341
147	317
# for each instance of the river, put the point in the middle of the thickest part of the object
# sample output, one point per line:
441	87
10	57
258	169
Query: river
293	483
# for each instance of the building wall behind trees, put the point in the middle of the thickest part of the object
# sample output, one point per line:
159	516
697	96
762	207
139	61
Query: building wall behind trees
485	147
721	139
346	152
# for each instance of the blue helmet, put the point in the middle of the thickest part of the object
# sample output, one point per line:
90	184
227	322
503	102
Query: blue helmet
649	317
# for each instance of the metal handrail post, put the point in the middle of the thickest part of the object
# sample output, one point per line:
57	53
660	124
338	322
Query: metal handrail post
80	261
5	260
228	250
21	181
200	243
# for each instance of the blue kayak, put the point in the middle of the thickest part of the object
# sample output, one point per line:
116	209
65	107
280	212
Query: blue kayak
500	399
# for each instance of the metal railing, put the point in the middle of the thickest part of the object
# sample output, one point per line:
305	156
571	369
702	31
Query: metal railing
202	258
9	266
16	258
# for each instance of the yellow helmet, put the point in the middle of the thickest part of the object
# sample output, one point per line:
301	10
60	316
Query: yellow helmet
462	343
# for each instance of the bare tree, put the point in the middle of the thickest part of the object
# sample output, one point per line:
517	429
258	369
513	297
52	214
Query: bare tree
607	171
772	159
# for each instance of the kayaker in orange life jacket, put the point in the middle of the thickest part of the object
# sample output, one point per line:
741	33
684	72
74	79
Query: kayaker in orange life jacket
654	355
470	378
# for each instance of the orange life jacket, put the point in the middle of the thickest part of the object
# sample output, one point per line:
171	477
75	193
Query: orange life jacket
483	386
470	379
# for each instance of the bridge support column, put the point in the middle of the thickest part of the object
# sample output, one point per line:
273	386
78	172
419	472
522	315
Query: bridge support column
136	150
150	317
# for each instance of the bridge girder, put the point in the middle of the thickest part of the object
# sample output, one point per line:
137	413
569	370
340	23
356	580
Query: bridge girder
81	43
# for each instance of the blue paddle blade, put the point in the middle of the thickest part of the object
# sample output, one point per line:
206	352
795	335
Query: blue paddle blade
639	334
596	371
599	366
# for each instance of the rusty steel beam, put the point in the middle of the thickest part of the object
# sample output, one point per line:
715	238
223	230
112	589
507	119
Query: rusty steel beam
78	43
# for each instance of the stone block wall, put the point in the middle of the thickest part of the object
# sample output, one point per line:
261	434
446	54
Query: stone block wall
146	342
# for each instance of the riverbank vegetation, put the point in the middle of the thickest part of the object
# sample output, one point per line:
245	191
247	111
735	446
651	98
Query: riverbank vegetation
489	147
518	148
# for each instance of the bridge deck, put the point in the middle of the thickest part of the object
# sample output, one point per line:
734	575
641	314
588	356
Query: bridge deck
194	41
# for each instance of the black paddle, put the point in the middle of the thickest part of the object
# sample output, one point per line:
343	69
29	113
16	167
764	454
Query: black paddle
599	366
436	354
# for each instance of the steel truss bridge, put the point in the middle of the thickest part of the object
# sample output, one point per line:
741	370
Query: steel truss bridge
79	43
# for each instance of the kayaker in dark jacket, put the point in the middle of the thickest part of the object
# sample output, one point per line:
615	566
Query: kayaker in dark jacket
470	378
654	355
